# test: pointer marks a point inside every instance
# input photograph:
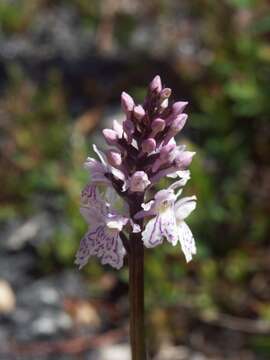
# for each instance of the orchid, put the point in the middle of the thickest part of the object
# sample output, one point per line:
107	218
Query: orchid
142	151
168	221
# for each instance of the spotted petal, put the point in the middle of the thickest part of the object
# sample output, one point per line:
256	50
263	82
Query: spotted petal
168	226
87	247
152	234
103	243
186	240
184	207
90	198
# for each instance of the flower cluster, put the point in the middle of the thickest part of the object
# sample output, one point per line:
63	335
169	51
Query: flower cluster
142	152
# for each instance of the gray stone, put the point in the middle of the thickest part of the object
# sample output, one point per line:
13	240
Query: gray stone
114	352
36	229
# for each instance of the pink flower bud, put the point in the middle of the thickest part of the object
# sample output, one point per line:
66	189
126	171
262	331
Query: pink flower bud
165	93
183	159
126	102
118	128
139	181
114	158
166	151
156	84
167	155
158	125
177	125
111	136
149	145
128	127
178	107
139	112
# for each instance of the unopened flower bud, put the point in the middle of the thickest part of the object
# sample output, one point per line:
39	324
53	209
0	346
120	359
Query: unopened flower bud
166	151
156	84
158	125
178	107
139	112
118	128
165	93
111	136
128	127
183	159
127	102
177	125
167	155
114	158
149	145
139	181
179	122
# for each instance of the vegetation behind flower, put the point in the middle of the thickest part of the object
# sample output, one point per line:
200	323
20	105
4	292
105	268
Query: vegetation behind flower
228	88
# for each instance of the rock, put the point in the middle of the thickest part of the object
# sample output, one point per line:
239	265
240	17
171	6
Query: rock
114	352
7	298
85	314
40	311
50	323
16	268
54	32
171	352
38	228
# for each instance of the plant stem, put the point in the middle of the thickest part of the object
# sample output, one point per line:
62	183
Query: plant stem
136	294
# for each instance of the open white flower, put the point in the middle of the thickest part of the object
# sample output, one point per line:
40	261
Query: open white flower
168	221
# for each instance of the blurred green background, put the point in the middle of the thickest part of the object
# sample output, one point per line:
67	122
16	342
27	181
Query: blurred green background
63	65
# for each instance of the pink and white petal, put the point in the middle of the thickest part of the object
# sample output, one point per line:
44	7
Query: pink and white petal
118	128
152	234
125	185
186	240
162	173
100	179
94	165
116	222
101	155
142	214
184	207
148	206
184	176
91	198
91	215
112	250
111	195
165	195
114	256
148	210
118	174
168	226
86	248
135	227
89	193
